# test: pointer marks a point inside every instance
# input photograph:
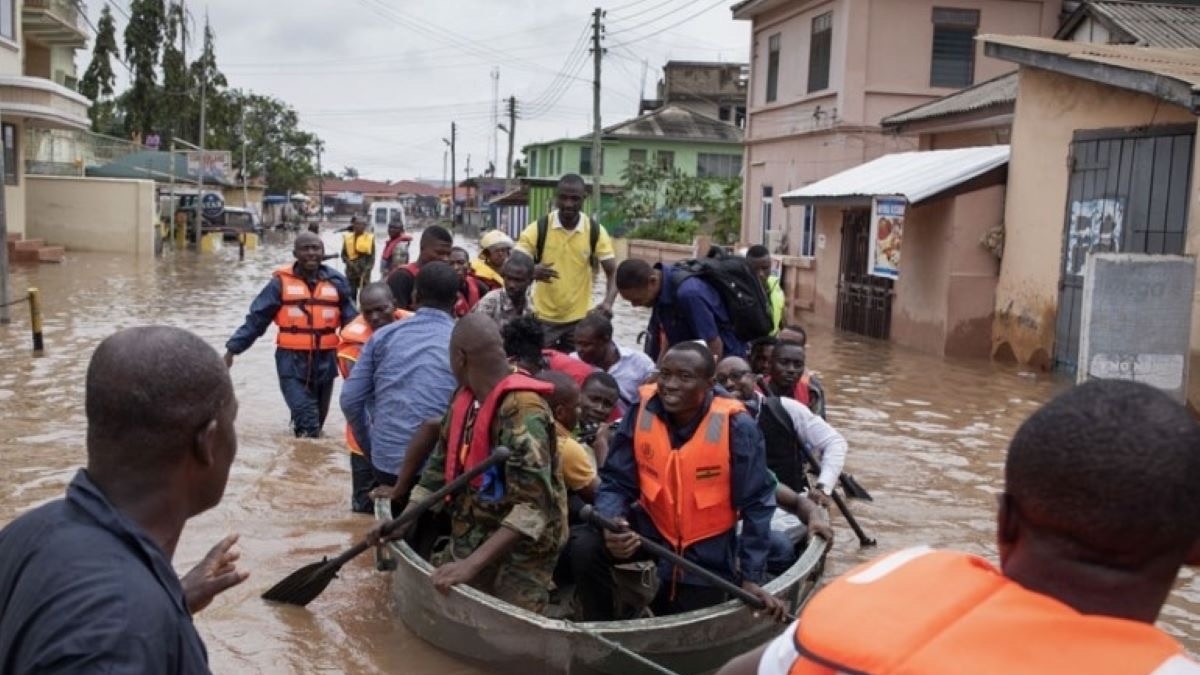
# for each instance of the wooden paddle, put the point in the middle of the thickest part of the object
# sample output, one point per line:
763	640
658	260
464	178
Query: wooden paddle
589	515
305	584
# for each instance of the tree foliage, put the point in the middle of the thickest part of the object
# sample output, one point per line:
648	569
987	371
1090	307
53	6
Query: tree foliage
667	205
143	44
99	80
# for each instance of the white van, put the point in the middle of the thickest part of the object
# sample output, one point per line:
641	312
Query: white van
383	212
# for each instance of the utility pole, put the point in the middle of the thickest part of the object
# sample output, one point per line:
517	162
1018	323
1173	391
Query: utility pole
597	151
642	88
453	175
512	133
5	317
245	172
320	183
495	158
203	133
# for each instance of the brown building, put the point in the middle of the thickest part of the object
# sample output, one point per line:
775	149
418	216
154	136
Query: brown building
716	90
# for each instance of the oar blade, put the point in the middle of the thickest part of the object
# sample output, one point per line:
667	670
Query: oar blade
854	489
304	585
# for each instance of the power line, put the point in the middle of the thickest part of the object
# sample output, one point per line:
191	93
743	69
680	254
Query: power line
664	29
651	8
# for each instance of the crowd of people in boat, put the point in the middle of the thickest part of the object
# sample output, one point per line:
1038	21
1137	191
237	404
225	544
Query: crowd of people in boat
694	444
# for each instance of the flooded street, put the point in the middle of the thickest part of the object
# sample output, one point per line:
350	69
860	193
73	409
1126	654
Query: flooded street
927	438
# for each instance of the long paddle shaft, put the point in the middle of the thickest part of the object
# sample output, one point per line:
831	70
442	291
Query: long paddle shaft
590	515
498	456
863	540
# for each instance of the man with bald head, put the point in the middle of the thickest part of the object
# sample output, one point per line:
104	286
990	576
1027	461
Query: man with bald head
309	302
507	527
86	583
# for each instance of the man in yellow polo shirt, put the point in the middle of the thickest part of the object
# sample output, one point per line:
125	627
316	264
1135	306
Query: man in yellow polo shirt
562	294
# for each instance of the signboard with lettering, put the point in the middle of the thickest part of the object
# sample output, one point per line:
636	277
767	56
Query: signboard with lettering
1136	319
212	165
212	205
887	232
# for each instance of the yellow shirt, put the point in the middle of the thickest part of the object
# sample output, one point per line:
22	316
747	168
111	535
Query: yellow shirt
359	245
579	470
569	297
484	271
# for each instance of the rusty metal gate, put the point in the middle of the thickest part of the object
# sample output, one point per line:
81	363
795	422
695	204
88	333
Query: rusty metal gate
864	301
1128	192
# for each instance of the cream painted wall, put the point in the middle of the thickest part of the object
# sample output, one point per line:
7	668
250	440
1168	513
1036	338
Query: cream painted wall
1050	108
92	214
10	52
921	292
14	195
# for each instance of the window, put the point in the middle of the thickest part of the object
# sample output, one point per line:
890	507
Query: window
533	167
7	19
718	166
808	234
772	67
558	154
767	193
723	113
819	49
953	62
637	156
585	161
666	160
8	133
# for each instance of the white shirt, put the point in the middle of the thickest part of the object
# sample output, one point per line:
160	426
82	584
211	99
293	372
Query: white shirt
828	446
630	371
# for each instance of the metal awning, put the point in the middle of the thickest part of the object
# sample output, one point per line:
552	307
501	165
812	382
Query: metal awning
916	176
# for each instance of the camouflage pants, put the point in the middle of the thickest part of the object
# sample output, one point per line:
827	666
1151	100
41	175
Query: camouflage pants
519	579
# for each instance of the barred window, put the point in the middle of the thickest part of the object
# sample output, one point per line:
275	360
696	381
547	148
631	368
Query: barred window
718	166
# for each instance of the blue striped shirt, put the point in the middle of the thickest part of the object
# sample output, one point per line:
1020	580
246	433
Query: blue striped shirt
401	379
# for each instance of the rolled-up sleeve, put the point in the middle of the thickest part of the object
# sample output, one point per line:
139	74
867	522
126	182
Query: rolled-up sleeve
618	477
754	496
358	396
262	312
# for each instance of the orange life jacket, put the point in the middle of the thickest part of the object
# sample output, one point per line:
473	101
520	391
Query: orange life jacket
942	612
466	302
354	336
307	320
686	491
461	455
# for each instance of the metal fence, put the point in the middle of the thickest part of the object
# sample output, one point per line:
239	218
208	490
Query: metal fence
69	152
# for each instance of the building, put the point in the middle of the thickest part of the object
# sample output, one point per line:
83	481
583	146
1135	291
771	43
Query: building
672	137
823	74
355	196
1103	159
715	90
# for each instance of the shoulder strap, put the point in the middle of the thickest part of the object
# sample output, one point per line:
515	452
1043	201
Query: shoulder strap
543	227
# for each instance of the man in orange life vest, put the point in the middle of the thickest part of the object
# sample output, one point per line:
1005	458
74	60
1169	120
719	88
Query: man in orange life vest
508	526
471	288
788	377
436	242
309	302
696	464
1099	512
378	310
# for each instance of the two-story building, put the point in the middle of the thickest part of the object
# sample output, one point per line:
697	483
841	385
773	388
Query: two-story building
711	89
823	73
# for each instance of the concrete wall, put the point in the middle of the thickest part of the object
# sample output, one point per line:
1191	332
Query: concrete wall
14	195
92	214
1050	108
10	50
966	138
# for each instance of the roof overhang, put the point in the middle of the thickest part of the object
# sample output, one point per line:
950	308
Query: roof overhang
915	176
748	9
1159	85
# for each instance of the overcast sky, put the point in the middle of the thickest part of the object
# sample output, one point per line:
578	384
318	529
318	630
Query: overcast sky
381	80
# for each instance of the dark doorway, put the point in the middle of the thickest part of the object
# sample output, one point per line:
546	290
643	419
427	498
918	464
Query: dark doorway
1128	193
864	301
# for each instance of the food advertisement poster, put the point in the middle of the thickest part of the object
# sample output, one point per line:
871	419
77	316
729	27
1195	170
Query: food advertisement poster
887	231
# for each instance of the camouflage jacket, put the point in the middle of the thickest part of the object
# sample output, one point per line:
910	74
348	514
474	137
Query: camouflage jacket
534	503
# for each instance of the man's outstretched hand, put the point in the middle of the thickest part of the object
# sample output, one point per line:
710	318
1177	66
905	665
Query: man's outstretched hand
213	575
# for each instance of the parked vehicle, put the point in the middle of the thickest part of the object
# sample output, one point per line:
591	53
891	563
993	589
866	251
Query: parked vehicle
383	212
237	220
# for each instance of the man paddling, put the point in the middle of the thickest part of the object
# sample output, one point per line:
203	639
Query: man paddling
509	525
1098	514
86	583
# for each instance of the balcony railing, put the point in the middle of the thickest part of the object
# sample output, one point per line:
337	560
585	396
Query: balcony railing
55	21
69	152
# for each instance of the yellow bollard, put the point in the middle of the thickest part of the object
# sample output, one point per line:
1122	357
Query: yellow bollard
35	320
211	242
251	240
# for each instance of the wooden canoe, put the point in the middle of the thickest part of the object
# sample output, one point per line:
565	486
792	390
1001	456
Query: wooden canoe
503	638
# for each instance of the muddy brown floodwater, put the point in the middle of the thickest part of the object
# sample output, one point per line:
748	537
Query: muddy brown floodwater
927	438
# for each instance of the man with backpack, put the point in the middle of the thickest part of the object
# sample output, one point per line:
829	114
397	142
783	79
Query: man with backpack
566	246
717	300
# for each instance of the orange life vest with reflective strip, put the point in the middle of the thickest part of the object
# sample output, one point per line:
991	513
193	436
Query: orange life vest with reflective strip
354	336
942	613
686	491
463	456
467	301
308	320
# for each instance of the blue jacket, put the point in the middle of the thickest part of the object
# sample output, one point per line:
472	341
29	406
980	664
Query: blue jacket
693	310
735	557
321	366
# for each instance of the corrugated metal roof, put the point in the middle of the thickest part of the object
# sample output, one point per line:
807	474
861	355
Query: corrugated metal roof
676	122
1181	65
915	176
998	91
1149	24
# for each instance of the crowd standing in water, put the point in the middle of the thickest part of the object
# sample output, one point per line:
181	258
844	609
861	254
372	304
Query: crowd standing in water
697	442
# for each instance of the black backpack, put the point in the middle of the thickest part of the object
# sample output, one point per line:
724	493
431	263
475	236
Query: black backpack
543	228
742	293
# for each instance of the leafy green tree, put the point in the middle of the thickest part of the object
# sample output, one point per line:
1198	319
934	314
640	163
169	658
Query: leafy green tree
276	147
143	44
99	80
666	205
178	112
